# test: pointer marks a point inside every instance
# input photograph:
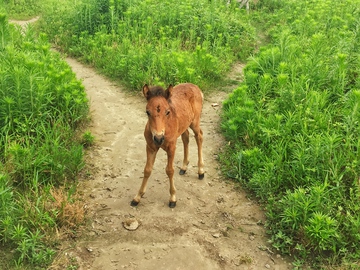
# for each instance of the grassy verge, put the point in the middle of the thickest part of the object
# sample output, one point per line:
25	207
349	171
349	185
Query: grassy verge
294	129
153	42
42	105
21	9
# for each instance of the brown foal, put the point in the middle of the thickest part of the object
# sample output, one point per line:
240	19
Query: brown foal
170	113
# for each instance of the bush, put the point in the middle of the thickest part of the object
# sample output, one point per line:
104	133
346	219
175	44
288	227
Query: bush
154	42
21	9
294	126
42	105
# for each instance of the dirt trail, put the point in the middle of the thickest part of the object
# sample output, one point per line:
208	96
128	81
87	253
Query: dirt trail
213	225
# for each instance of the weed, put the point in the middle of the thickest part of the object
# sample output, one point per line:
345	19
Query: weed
88	139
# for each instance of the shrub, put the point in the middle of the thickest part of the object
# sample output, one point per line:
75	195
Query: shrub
295	124
154	42
41	106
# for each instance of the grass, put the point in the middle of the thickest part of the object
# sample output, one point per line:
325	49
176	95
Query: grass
294	129
292	125
42	107
154	42
21	9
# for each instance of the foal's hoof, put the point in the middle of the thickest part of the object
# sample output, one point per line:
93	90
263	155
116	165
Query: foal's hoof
172	204
134	203
182	172
201	176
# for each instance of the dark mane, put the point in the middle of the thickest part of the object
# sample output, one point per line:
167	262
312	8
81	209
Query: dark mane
157	91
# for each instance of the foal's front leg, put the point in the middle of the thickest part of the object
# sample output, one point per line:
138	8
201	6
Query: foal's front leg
170	173
150	159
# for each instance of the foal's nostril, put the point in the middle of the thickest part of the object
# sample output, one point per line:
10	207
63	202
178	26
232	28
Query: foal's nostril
158	139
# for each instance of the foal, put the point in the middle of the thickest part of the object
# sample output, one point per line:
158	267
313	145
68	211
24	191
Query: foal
170	114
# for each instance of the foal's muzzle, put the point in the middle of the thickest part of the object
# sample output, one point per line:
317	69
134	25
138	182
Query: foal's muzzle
159	139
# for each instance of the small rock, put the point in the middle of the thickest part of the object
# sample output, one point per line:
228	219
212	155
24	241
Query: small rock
216	235
267	266
131	224
147	251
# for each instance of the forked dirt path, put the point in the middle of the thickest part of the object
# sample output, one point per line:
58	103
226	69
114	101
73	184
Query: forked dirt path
213	225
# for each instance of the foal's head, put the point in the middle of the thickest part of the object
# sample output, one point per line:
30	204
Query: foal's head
158	111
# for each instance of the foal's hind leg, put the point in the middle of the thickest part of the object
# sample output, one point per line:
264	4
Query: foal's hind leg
185	139
150	159
199	141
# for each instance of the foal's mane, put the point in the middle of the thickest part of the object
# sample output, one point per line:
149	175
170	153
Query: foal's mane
157	91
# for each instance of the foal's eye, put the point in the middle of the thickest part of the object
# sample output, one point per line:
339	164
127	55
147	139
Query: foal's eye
167	112
148	113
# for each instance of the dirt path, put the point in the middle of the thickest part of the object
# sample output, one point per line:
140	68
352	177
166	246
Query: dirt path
212	227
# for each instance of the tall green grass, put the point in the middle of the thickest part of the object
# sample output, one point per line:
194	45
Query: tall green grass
152	41
21	9
293	125
294	129
42	105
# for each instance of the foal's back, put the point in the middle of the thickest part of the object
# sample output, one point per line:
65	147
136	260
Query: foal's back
187	99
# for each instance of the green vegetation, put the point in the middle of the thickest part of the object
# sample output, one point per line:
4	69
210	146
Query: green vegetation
293	124
294	129
153	41
41	106
21	9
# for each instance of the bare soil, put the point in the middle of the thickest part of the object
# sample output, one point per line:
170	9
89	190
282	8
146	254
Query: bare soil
214	225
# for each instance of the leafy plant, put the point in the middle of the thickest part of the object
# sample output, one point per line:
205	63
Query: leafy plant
41	106
153	42
21	9
88	139
295	124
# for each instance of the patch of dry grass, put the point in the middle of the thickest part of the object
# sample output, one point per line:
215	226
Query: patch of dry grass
70	212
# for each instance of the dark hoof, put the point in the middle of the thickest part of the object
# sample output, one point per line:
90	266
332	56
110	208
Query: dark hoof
134	203
182	172
201	176
172	204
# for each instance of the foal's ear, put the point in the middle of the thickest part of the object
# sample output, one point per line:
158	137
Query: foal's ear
146	91
168	91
